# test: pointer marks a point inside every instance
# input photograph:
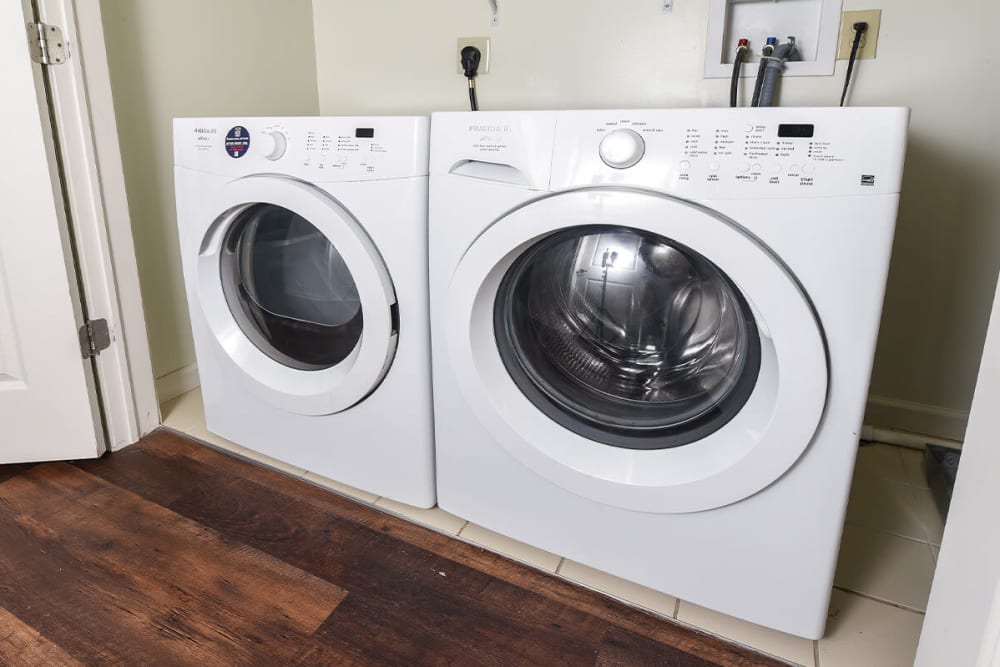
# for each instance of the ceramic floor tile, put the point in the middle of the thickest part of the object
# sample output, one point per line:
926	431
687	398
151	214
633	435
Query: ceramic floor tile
271	462
929	514
200	432
631	592
184	412
434	517
886	567
508	547
881	461
916	469
343	489
865	633
884	505
789	647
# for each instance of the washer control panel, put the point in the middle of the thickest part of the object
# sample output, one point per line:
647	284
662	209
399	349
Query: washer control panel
732	153
313	149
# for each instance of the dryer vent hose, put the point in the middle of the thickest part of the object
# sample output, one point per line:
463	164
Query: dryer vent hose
773	66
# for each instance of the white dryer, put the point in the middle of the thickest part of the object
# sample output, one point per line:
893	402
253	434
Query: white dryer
304	246
653	335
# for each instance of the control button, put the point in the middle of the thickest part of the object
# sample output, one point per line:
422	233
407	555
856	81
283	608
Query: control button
713	166
744	167
774	168
794	169
684	165
755	169
273	144
748	128
622	149
808	168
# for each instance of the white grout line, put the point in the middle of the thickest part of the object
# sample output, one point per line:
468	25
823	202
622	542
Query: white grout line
888	603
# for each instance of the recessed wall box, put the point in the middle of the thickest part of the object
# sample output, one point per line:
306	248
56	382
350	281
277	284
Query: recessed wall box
813	23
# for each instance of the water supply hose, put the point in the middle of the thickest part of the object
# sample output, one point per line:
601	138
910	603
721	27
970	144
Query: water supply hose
765	54
741	53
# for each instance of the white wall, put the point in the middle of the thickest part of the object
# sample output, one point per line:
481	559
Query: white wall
397	56
193	58
965	583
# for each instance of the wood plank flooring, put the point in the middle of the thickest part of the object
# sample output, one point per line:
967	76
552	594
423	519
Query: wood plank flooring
170	552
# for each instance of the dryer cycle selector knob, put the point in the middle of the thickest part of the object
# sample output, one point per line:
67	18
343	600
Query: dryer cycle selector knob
622	149
273	144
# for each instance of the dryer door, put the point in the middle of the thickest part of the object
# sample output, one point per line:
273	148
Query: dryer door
636	349
297	296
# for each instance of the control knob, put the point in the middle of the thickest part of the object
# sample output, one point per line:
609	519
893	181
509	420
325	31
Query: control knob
622	149
273	144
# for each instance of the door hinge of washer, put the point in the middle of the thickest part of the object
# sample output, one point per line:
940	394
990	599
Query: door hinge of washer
94	337
47	44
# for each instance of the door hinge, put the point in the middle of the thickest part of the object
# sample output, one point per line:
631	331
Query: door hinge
47	44
94	337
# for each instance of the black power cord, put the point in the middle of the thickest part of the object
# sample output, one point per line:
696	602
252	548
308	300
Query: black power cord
741	54
859	29
470	65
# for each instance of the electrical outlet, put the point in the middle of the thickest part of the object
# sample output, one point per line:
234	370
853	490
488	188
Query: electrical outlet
869	40
481	43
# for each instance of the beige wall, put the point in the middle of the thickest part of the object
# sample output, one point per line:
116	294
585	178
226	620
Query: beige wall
397	56
193	58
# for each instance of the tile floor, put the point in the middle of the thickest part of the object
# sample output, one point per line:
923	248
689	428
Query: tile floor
883	579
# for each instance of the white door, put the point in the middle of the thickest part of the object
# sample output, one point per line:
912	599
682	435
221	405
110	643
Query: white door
637	349
48	405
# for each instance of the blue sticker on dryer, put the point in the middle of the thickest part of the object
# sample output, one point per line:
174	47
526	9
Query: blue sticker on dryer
237	141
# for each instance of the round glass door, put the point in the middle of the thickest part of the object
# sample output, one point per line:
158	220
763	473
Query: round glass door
626	337
289	289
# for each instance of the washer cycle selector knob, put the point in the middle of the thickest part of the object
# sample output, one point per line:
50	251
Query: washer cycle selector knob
273	144
622	149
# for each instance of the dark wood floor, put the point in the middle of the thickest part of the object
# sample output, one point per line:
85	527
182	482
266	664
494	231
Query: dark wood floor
170	552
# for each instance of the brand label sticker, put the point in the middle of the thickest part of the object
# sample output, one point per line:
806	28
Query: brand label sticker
237	141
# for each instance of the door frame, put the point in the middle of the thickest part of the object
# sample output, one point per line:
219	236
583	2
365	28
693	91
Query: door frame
83	119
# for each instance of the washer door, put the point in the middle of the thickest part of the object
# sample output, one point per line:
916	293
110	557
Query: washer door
297	296
637	350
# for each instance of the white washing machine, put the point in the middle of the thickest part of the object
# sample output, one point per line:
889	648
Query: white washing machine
653	335
304	245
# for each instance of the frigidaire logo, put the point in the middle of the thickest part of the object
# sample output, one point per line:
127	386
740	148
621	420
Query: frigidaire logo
489	128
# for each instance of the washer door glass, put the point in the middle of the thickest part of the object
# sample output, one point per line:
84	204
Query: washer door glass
289	289
626	337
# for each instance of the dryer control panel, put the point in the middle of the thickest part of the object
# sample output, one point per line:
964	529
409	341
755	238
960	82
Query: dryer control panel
313	149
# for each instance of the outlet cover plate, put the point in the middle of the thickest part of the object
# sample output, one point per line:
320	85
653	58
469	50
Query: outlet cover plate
481	43
869	40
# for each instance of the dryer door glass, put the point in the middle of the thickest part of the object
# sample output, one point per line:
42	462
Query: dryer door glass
289	289
626	337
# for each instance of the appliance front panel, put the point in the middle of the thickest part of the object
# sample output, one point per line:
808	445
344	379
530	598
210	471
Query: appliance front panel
637	349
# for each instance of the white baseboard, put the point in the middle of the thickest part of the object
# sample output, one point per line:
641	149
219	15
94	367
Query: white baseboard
930	422
177	383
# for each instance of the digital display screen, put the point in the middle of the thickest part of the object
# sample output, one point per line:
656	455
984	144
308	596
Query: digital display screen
369	133
799	131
